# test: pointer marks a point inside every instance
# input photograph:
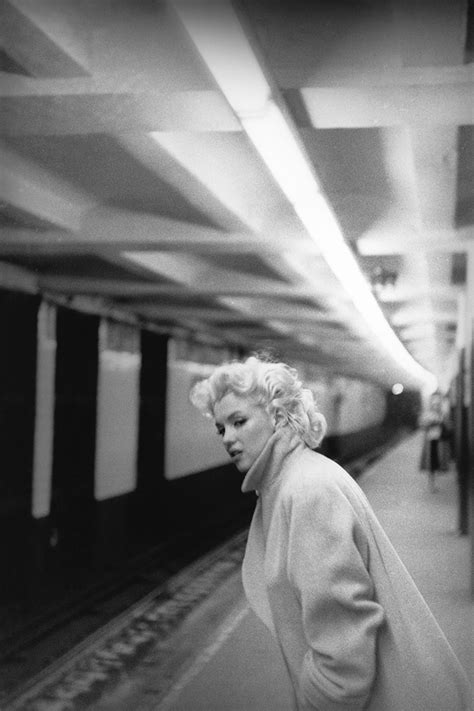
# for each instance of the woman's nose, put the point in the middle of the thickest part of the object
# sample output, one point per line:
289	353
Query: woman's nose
228	436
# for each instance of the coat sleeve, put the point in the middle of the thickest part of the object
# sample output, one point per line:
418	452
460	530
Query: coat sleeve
340	618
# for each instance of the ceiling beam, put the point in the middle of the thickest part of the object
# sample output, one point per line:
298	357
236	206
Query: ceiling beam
123	229
306	316
96	105
43	39
192	271
34	191
187	313
321	76
107	225
15	278
280	311
435	159
431	31
386	239
183	268
400	168
411	293
185	174
251	288
248	193
21	241
411	315
369	107
84	106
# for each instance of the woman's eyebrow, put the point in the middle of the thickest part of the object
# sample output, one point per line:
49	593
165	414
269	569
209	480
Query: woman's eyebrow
236	413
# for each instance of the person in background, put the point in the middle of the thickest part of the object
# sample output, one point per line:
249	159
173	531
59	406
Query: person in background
433	423
319	570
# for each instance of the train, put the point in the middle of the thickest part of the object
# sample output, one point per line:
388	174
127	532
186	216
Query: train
105	458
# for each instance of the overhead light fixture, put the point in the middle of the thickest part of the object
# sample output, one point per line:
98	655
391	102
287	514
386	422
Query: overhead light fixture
272	137
383	282
277	144
217	32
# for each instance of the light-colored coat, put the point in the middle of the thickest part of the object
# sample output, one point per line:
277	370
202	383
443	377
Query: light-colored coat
321	573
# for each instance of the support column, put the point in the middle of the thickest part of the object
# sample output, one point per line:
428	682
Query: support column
469	398
460	419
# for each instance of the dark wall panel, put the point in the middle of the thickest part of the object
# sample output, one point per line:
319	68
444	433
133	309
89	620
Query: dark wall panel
73	508
149	499
207	501
18	325
112	532
403	410
352	445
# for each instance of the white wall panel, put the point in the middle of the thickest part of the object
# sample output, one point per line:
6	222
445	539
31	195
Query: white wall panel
349	405
44	414
117	410
192	444
362	405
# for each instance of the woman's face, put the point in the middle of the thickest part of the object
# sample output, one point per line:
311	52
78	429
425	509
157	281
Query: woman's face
244	427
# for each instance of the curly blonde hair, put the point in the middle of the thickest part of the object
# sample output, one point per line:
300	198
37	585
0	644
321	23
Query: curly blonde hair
274	386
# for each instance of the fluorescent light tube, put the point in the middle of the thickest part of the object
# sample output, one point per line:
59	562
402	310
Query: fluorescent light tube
272	137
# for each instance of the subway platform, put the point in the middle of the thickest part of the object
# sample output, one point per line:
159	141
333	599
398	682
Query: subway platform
217	656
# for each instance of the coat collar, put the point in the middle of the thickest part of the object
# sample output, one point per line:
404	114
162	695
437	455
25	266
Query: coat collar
269	463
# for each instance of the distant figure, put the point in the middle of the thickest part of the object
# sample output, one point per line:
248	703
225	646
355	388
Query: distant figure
319	570
433	422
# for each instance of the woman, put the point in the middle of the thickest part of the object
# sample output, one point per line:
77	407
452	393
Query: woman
354	631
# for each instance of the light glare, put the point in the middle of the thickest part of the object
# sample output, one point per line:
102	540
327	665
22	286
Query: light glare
273	139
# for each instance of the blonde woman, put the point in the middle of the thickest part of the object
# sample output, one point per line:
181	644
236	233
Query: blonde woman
319	570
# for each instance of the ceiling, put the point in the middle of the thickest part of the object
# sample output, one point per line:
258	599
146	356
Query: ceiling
131	184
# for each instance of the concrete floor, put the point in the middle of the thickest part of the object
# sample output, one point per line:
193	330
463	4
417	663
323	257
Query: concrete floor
239	668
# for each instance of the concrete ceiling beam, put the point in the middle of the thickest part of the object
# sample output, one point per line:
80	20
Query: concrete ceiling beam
44	38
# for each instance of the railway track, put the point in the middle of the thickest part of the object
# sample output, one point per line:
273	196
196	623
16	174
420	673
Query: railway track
79	672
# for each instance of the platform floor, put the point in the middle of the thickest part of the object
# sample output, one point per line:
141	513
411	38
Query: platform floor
240	668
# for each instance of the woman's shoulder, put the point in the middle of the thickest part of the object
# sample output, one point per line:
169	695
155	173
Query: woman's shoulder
318	486
313	474
315	462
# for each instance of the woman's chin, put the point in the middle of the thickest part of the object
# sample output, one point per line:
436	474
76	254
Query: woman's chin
241	466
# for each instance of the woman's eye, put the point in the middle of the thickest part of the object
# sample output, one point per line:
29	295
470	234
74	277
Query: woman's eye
239	423
220	432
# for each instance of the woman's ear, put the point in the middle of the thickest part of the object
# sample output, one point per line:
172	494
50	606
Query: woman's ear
276	418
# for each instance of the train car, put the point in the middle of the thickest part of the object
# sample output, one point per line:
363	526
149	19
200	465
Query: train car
106	458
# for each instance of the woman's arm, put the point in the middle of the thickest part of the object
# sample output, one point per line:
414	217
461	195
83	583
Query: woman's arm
327	547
